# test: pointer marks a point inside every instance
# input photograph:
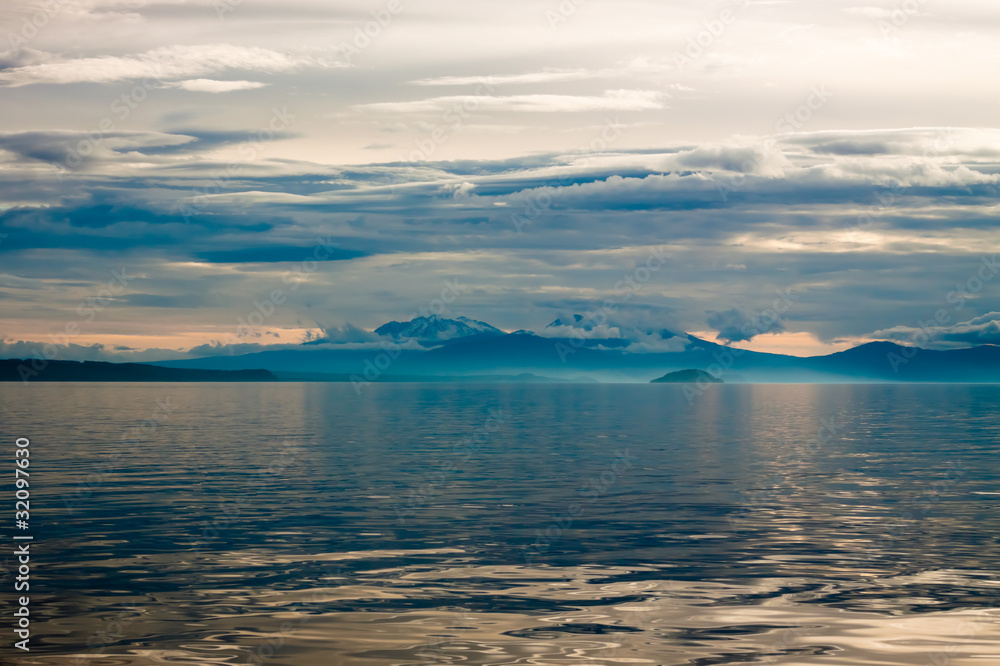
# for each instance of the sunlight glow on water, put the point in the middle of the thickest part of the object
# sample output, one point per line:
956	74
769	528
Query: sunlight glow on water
300	524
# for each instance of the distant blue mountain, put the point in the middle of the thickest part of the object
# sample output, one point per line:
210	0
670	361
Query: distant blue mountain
467	347
30	370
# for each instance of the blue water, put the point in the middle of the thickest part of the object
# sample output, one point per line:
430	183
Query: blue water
513	524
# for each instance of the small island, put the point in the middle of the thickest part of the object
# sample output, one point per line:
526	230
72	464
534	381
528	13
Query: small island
688	377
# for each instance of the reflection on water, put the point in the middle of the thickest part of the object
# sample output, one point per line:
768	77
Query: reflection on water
438	524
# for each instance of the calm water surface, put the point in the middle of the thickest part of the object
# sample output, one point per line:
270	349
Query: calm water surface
302	524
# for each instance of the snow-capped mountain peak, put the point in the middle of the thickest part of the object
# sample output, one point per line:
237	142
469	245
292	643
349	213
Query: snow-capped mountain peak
434	327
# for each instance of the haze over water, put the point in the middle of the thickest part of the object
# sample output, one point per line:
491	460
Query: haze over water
590	524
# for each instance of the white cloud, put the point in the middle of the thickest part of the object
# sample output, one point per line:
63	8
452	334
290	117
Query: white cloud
654	343
544	76
213	86
756	158
946	142
635	67
873	13
172	62
981	330
612	100
599	332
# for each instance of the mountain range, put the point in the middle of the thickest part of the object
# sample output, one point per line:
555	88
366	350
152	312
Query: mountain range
456	349
31	370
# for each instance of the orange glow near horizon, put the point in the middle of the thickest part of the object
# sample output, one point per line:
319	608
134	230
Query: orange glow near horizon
800	344
180	341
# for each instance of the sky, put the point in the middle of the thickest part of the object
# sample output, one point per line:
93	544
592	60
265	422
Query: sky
170	168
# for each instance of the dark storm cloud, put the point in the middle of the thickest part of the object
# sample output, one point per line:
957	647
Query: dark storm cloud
71	149
736	325
982	330
209	139
107	220
161	301
274	254
88	217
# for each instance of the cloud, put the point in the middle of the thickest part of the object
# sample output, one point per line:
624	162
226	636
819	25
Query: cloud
169	62
612	100
27	349
213	86
635	330
735	325
586	330
350	338
655	343
592	221
160	301
639	66
869	12
122	149
981	330
278	254
345	334
22	57
751	159
55	146
788	208
544	76
216	348
951	143
734	175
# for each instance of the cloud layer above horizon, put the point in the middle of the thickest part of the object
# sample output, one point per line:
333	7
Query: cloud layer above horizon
343	167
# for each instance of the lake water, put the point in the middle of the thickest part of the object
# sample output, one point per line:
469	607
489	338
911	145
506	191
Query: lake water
302	524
